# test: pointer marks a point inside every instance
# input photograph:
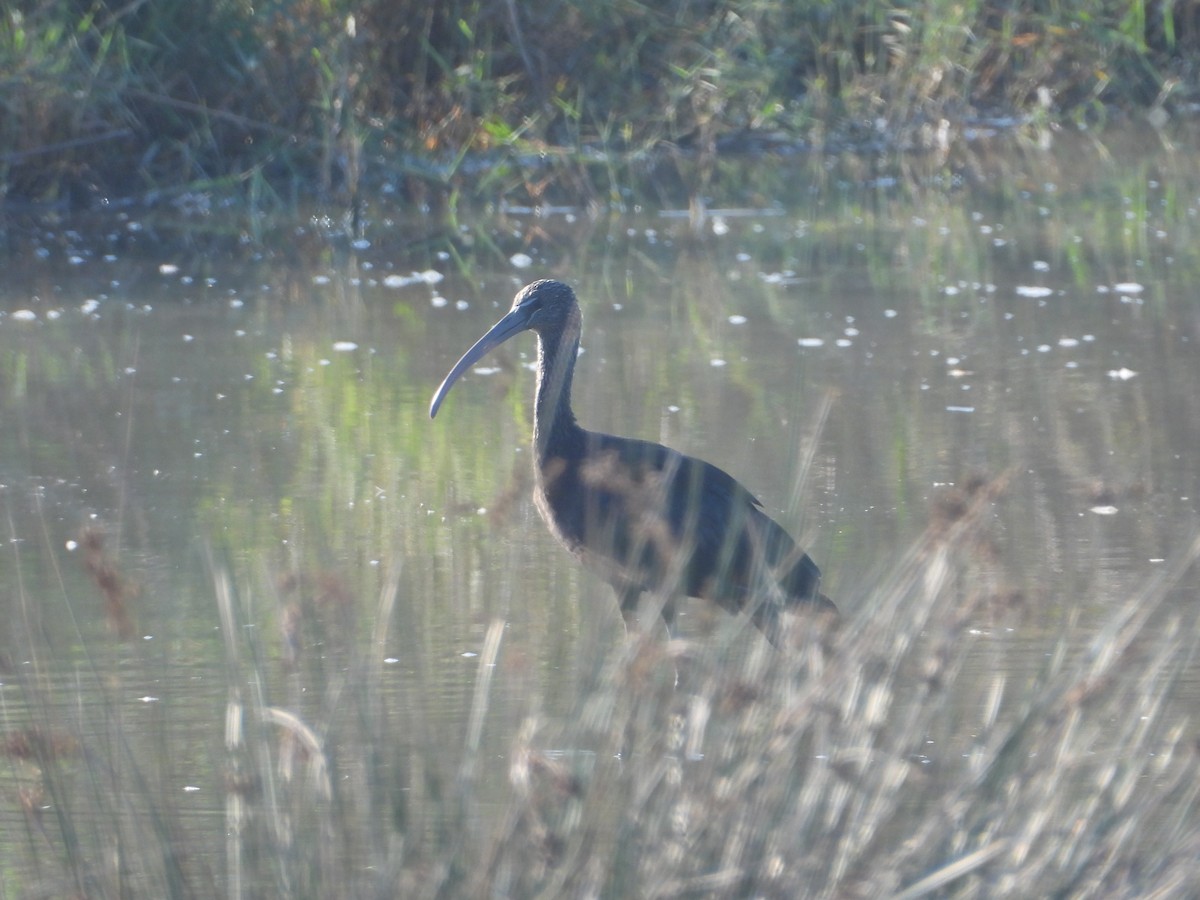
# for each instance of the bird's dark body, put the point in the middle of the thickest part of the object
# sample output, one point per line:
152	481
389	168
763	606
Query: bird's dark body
647	518
643	516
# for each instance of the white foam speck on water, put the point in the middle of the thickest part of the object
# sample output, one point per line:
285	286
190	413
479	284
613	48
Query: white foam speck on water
429	276
1033	290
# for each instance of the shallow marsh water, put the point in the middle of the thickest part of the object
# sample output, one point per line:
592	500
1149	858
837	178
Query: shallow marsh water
220	484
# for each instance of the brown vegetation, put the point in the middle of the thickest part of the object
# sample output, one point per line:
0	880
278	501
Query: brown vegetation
108	100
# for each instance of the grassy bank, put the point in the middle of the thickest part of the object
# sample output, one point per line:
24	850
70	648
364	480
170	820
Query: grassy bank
101	101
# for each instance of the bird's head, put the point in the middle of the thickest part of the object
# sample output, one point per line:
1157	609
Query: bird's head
546	307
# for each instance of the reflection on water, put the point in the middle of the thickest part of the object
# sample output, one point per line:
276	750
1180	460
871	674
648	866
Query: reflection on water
266	422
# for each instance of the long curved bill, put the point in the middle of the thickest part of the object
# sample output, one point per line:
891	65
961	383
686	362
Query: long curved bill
516	321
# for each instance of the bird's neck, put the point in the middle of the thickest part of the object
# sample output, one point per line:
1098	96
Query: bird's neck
555	430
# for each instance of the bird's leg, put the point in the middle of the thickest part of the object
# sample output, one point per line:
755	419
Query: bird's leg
667	611
766	617
630	600
628	597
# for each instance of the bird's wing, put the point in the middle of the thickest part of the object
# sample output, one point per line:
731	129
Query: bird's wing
697	501
654	501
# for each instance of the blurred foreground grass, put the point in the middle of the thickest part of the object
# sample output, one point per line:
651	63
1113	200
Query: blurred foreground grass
800	774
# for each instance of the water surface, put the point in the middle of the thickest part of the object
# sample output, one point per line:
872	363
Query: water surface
196	431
